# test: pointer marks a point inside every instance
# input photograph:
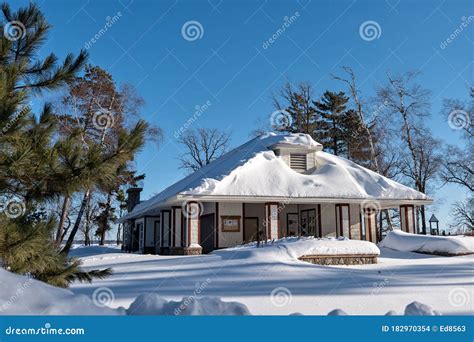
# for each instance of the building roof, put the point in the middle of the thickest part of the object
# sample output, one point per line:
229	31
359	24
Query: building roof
253	170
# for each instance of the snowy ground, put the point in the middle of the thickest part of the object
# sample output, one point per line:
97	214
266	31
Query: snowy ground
283	285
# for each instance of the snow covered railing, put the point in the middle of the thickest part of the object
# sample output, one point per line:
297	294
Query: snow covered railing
344	259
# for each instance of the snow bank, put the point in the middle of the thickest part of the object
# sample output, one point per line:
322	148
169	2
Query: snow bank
405	242
412	309
292	248
20	295
153	304
84	251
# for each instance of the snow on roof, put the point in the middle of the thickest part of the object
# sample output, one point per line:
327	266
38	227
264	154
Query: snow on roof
253	169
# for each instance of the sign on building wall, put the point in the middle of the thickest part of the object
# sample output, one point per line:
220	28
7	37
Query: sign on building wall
230	223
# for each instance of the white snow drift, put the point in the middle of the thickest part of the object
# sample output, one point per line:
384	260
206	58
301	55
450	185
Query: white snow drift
450	245
216	284
25	296
21	295
154	304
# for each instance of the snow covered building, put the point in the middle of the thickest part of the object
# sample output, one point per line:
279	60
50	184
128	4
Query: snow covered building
273	186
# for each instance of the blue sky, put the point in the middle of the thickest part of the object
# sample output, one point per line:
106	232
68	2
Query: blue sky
229	66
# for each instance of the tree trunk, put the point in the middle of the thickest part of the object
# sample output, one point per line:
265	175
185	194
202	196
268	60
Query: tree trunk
423	219
119	233
62	219
74	230
87	223
103	231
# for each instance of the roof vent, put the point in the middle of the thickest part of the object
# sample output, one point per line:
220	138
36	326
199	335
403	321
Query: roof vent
298	162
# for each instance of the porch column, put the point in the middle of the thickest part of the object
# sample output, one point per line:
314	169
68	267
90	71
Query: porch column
191	212
271	220
407	218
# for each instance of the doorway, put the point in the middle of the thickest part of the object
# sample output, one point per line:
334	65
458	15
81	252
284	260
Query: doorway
308	222
250	229
208	233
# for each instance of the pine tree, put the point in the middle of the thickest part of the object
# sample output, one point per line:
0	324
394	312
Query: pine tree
333	122
29	163
358	145
296	103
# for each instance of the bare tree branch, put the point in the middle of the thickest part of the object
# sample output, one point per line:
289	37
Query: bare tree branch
202	146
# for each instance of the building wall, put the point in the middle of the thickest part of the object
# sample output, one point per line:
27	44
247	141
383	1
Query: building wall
256	210
328	219
229	239
208	208
356	227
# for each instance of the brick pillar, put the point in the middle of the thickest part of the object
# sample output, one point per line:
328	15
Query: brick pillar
191	212
271	220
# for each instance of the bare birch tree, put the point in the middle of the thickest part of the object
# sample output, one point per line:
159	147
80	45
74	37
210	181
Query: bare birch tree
202	146
407	104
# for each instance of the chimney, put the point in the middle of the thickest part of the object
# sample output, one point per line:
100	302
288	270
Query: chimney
133	198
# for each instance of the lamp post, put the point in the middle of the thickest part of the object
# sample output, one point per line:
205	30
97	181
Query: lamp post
435	230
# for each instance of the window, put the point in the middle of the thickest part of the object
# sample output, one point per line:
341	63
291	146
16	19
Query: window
298	162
